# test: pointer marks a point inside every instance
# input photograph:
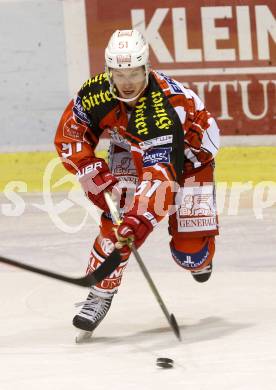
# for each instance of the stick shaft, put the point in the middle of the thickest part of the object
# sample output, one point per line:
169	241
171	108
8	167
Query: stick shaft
105	269
150	282
170	317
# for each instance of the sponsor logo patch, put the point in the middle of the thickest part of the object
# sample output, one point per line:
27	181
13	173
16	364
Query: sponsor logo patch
197	209
123	59
74	130
191	260
125	33
122	164
163	140
175	88
157	155
79	112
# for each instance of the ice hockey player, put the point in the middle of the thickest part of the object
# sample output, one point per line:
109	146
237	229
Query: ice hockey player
161	161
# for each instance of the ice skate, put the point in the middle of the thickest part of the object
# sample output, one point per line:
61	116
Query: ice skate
203	274
93	311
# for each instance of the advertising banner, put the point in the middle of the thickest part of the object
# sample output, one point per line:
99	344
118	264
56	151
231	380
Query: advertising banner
225	51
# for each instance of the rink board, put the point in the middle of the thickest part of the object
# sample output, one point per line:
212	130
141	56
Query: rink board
233	164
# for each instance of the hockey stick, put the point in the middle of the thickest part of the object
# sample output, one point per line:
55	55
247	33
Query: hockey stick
105	269
170	317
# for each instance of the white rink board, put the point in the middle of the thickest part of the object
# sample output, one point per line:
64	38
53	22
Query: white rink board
227	325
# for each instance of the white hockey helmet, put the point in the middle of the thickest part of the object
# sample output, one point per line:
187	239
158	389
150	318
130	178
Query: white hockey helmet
126	49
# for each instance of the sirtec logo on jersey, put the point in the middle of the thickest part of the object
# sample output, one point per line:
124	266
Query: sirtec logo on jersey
157	155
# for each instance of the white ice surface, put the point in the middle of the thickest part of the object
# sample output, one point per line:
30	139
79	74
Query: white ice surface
228	325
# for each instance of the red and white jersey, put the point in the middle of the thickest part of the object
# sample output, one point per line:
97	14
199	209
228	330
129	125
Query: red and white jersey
165	137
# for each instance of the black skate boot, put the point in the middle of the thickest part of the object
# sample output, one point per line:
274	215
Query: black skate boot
203	274
93	311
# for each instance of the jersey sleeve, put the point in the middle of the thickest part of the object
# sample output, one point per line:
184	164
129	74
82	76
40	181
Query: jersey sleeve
76	136
201	133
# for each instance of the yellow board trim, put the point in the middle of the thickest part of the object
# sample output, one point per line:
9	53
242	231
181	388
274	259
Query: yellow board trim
239	164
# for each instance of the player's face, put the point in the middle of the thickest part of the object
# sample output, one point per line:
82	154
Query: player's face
129	82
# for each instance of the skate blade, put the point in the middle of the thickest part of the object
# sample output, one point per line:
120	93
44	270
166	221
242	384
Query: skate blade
83	336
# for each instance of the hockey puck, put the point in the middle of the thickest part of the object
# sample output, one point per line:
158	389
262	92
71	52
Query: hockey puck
164	362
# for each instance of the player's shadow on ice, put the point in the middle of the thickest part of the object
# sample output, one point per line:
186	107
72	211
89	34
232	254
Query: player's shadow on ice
208	328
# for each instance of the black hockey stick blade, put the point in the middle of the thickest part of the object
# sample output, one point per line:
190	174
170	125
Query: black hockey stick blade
175	327
104	270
